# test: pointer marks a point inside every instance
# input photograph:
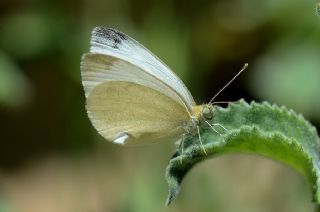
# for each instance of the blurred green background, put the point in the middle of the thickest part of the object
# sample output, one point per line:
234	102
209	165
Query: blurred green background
51	158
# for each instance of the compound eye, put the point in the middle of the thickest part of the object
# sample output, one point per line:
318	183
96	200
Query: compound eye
207	113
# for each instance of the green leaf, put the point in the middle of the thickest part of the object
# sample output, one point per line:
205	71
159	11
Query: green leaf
260	129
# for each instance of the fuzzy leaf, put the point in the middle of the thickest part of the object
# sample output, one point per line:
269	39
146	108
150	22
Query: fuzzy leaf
261	129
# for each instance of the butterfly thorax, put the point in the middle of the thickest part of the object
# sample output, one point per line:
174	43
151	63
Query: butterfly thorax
201	114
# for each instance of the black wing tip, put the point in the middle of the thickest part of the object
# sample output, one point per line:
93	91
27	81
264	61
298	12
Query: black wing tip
108	33
107	36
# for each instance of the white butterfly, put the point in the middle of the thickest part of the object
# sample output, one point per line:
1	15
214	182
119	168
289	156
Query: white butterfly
132	96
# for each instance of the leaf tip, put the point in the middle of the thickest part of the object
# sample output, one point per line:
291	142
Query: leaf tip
174	188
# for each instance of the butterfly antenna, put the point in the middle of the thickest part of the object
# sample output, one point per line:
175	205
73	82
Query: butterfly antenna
243	68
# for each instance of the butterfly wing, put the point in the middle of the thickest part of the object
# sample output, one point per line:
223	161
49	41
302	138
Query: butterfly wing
126	112
98	68
111	42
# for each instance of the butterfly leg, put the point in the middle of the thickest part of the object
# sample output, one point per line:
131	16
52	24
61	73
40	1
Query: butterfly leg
201	141
220	125
182	144
216	131
217	124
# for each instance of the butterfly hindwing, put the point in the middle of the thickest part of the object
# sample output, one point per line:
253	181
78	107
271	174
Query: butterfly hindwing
129	113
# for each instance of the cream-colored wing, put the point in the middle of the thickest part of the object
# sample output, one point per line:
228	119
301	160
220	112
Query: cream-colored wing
99	68
114	43
125	112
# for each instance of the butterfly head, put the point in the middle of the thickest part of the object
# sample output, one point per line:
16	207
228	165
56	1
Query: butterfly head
201	114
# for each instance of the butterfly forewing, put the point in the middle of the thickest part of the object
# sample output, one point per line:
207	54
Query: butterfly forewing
99	68
111	42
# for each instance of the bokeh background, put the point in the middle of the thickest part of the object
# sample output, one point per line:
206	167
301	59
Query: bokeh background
51	158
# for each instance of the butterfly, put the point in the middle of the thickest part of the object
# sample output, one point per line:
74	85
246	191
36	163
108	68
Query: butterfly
132	97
